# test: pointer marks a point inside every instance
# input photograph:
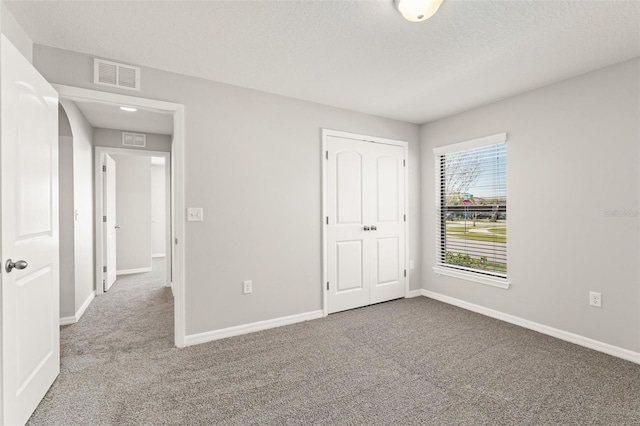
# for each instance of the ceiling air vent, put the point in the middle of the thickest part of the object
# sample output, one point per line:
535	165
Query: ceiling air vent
135	140
113	74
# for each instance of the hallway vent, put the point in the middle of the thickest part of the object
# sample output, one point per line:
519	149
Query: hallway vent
135	140
113	74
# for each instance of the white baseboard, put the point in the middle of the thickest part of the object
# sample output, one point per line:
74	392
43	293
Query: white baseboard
74	319
158	255
540	328
133	271
68	320
415	293
208	336
85	305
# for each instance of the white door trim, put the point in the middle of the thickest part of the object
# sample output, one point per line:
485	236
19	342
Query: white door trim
365	138
177	190
109	209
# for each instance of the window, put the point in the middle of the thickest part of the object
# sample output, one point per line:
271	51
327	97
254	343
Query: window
471	199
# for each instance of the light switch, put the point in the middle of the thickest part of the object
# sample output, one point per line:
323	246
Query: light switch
194	214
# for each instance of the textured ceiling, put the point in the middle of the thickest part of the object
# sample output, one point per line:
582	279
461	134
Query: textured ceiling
112	117
359	55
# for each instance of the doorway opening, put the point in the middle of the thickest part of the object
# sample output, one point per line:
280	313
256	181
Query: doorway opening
135	213
173	171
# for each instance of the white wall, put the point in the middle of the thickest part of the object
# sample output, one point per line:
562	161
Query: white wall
66	217
158	211
573	156
14	32
133	210
83	206
253	162
84	213
113	138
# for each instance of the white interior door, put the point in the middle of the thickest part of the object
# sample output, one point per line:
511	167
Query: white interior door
348	257
111	224
387	217
365	229
29	223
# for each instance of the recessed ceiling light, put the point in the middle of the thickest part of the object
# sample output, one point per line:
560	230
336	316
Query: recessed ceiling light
129	109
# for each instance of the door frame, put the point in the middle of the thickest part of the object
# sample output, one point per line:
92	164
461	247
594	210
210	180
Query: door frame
100	240
364	138
109	162
177	191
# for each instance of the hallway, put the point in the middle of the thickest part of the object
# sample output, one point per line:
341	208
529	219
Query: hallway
129	325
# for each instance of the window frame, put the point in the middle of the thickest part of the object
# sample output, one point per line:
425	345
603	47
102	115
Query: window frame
443	269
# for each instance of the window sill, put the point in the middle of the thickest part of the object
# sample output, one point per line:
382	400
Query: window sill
470	276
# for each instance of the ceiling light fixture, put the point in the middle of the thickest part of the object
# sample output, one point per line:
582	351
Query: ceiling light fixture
417	10
129	109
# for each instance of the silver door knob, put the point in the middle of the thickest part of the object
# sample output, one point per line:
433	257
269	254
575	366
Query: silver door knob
374	228
10	265
366	228
116	227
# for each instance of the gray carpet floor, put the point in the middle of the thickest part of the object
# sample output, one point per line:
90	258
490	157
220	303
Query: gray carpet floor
412	361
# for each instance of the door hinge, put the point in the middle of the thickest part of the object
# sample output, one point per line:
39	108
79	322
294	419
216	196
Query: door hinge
405	272
405	217
104	218
327	285
326	155
104	269
327	220
104	168
404	163
176	241
103	283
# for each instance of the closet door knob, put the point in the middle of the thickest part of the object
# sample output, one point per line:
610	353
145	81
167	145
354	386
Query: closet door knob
374	228
366	228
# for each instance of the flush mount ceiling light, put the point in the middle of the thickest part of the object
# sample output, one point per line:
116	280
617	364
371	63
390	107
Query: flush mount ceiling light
417	10
128	109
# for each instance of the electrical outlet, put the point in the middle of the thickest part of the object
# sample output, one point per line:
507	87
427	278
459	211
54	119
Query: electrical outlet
595	299
247	287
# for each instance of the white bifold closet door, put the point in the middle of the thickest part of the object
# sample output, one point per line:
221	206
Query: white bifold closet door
365	230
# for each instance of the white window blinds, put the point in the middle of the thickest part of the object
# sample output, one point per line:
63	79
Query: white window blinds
472	206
